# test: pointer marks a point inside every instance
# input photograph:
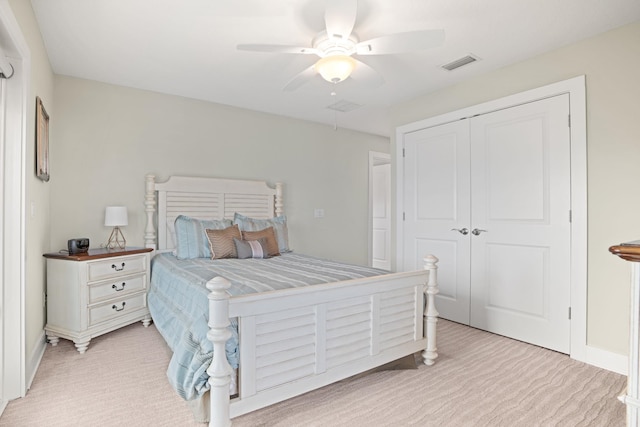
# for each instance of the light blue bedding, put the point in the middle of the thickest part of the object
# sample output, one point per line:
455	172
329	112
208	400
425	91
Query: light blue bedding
180	309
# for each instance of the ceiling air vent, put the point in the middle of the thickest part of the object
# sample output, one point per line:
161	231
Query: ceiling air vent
460	62
344	106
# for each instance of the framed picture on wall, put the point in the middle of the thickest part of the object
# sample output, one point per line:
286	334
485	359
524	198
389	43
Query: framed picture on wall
42	141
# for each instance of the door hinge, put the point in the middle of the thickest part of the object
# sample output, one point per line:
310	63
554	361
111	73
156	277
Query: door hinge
404	216
569	313
569	117
403	152
570	215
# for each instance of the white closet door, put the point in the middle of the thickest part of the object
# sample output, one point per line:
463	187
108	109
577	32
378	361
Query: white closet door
436	198
520	194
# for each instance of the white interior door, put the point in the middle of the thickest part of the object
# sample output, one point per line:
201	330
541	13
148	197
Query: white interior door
436	205
381	215
520	193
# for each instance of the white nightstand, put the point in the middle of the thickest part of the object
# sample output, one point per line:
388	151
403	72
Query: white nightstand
94	293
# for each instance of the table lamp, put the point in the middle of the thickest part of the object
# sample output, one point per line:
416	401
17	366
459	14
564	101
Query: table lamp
116	217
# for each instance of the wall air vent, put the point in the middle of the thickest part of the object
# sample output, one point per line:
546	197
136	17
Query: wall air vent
460	62
344	106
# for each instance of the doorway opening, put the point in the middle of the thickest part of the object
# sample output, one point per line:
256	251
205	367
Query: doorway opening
380	210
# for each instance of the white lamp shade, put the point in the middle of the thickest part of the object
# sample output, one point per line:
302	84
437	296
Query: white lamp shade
115	216
335	68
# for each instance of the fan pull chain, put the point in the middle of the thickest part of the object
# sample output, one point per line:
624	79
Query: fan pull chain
335	113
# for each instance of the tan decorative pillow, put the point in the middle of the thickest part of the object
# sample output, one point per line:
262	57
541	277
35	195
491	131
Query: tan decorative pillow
269	235
221	242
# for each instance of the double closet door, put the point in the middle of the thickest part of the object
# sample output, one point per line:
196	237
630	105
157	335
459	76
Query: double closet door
490	196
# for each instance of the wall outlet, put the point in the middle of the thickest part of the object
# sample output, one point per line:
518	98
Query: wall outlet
318	213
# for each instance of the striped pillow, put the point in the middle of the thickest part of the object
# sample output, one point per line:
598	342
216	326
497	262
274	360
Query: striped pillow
221	242
269	236
190	237
251	248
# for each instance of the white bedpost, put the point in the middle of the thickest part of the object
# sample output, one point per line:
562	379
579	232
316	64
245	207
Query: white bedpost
430	354
150	209
279	199
219	371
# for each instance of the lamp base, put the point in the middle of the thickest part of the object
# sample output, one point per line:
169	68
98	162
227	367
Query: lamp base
116	239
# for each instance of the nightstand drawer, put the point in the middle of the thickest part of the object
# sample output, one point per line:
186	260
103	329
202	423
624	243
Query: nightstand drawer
116	308
104	269
116	288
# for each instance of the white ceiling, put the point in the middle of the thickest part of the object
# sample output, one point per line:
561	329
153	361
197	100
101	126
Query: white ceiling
188	47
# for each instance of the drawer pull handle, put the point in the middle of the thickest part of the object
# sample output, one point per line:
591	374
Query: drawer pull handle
115	287
115	267
116	307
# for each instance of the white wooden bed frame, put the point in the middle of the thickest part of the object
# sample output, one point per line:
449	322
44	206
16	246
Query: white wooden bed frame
343	328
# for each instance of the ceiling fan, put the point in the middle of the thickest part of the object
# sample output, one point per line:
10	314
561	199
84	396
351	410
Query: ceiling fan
337	46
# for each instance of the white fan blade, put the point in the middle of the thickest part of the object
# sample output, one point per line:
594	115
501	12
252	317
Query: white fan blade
277	48
367	75
300	79
340	17
401	42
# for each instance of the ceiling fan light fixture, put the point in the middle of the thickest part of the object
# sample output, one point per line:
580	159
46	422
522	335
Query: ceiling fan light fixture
335	68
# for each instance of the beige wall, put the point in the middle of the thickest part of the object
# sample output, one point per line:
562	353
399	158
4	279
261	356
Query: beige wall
104	139
610	62
108	137
37	192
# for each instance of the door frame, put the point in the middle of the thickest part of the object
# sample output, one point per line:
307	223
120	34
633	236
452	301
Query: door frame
575	87
13	255
374	158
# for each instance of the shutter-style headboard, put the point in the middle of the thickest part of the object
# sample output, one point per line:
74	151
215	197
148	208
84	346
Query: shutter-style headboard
205	198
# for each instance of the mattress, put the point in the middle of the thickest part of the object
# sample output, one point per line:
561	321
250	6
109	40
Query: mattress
179	306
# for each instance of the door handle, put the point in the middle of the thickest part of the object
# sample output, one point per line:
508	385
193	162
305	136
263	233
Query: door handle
477	231
463	231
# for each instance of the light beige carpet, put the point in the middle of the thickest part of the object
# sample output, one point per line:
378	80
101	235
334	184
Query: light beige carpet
479	379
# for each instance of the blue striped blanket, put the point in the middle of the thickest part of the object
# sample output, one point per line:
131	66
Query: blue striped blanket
180	309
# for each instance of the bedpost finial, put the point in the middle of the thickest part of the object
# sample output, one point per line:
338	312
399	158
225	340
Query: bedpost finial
218	283
431	259
150	209
279	204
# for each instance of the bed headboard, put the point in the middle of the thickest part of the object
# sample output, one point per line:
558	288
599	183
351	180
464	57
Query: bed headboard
207	198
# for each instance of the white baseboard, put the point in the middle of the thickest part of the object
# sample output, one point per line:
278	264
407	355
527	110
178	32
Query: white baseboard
34	359
608	360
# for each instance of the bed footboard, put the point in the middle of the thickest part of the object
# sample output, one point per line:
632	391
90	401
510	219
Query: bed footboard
296	340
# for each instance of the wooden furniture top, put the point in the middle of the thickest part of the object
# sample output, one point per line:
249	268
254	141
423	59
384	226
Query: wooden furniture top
629	251
97	253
